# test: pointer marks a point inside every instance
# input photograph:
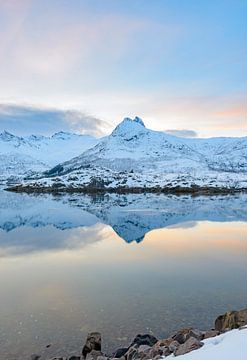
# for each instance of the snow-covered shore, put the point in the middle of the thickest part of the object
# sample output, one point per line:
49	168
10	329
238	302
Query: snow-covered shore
229	346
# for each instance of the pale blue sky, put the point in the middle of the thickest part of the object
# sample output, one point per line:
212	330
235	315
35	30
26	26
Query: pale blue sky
177	64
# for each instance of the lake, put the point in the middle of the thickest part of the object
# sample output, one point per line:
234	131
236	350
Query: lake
118	264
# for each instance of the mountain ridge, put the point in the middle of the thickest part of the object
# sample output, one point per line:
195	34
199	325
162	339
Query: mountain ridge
133	156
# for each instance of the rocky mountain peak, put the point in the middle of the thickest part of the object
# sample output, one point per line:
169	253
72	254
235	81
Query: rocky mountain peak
129	126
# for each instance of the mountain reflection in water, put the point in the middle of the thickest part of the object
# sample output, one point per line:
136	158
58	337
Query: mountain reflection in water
130	216
118	264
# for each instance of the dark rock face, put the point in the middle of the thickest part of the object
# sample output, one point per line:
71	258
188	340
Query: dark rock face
189	345
231	320
93	342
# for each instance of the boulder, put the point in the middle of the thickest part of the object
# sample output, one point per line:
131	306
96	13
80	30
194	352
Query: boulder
132	353
184	334
93	342
145	339
173	346
210	334
231	320
144	352
189	345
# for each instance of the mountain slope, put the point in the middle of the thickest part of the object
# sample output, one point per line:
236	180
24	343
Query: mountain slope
134	157
36	153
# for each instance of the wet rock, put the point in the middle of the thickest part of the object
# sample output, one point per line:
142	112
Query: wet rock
211	333
189	345
93	342
231	320
145	339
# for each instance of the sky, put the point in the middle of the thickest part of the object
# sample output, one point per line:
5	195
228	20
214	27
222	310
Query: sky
83	65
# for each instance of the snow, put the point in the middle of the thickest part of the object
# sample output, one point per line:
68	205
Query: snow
134	156
37	153
228	346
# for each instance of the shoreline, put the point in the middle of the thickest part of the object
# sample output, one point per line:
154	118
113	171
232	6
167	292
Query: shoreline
195	190
147	346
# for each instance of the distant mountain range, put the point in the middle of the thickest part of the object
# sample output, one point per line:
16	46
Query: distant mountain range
134	157
21	156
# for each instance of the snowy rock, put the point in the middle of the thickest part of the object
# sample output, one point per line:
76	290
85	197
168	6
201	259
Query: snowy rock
189	345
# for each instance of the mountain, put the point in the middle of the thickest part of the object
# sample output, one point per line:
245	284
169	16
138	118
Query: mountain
134	157
21	156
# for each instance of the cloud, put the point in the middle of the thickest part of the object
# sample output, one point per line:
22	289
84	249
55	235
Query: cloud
26	120
185	133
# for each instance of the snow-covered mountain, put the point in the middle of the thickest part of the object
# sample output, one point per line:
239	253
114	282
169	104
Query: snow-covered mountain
133	156
37	153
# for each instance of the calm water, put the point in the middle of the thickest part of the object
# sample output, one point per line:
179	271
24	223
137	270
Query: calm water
120	265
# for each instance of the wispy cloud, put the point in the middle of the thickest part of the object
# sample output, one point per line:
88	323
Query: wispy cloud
184	133
25	120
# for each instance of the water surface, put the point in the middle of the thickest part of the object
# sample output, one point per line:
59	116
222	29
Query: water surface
117	264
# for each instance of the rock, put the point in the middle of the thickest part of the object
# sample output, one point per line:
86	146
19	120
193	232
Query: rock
181	335
190	345
93	342
120	352
231	320
35	357
94	355
145	339
144	351
184	334
173	346
210	333
165	351
132	353
74	357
